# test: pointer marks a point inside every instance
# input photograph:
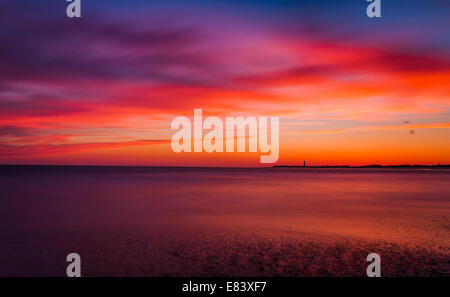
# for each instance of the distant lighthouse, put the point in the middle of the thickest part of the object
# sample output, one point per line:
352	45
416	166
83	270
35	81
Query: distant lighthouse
304	163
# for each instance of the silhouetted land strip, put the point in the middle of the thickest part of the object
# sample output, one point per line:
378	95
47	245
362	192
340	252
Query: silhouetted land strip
30	169
438	166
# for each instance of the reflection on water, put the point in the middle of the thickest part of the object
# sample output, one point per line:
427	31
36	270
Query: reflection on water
404	206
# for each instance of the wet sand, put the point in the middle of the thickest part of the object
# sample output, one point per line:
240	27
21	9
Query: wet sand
198	252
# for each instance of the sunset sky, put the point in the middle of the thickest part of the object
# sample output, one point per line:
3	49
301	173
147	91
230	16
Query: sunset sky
104	89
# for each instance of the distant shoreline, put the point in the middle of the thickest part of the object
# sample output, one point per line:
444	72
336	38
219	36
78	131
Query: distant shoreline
374	166
367	166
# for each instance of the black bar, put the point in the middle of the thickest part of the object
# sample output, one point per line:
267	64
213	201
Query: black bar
173	286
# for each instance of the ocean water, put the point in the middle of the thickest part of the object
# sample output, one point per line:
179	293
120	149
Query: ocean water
223	221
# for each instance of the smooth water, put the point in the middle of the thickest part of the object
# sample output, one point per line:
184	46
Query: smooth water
45	204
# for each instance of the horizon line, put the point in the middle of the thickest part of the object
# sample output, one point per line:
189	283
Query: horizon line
253	167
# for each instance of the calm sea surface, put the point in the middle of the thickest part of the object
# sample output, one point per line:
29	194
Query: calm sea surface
46	209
